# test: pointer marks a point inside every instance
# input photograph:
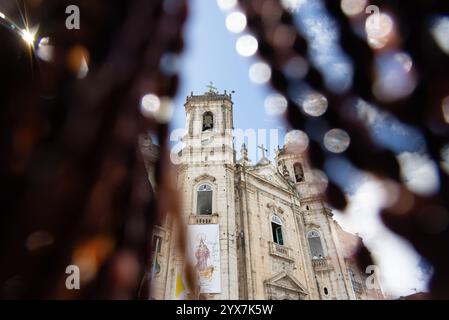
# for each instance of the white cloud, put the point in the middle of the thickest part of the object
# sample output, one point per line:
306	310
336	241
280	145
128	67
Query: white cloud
397	260
293	5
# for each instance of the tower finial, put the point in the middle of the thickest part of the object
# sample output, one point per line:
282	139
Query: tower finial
211	87
244	152
244	156
263	150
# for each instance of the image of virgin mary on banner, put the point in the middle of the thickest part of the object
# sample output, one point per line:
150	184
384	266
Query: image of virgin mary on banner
204	249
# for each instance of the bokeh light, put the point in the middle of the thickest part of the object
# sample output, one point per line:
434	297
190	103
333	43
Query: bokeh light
445	158
296	141
236	22
165	112
405	60
379	29
246	45
90	254
78	61
353	7
84	69
226	4
275	104
415	166
45	51
394	76
160	109
336	140
315	104
440	32
150	104
28	36
260	72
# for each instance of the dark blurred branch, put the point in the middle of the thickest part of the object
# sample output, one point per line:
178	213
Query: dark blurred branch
71	169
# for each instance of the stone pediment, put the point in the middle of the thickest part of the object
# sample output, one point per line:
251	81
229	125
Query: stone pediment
286	282
270	174
312	226
205	177
275	208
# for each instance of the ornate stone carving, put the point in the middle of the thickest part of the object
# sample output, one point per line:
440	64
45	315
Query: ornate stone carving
204	177
284	286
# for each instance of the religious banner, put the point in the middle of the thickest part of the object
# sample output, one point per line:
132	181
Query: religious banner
204	250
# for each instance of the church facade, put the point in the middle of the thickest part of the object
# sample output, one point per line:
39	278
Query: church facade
256	231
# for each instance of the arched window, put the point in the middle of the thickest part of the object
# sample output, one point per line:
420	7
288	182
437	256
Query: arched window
316	248
208	121
204	199
299	172
156	251
276	228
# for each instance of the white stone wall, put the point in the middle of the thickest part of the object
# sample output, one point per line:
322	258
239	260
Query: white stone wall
264	201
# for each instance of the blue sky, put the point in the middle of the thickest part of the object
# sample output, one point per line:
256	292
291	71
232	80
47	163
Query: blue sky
210	55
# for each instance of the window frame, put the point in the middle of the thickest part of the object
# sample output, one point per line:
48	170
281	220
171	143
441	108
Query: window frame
208	188
295	165
316	234
156	252
275	220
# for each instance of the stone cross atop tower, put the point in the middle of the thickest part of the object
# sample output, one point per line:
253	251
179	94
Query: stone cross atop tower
263	160
244	152
261	147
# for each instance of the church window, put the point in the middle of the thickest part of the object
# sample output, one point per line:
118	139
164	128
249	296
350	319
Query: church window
326	292
276	228
208	121
356	286
299	172
316	248
157	241
156	251
204	199
351	276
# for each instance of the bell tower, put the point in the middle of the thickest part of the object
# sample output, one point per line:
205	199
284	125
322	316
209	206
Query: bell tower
206	180
209	127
